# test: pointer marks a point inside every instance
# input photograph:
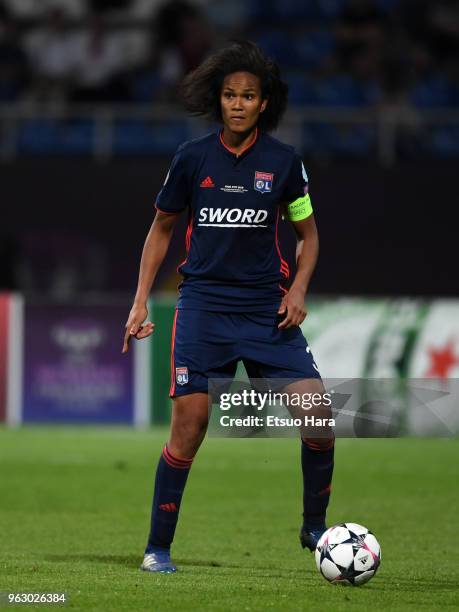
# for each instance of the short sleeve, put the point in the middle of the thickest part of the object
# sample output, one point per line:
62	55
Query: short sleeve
175	192
297	182
296	195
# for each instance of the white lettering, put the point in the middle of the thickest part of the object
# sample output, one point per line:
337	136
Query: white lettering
225	401
247	215
236	399
217	214
260	216
233	218
262	398
247	421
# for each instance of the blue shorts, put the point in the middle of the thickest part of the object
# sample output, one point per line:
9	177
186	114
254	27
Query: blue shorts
210	344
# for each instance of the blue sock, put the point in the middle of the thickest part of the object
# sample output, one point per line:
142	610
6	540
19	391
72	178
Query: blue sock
171	477
317	466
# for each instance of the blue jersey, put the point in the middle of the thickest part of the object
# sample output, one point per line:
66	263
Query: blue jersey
233	261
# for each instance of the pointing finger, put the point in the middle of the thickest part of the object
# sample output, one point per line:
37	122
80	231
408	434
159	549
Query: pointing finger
127	337
134	329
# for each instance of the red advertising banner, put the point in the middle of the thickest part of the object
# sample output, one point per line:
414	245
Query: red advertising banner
4	316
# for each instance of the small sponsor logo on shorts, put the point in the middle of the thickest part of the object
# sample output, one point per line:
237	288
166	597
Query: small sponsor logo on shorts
181	376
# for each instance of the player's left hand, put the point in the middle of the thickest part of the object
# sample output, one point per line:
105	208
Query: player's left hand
293	307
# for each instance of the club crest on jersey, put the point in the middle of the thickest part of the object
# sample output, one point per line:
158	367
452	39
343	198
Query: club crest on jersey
263	181
181	376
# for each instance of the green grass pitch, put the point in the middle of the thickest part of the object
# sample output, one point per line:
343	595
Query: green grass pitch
75	503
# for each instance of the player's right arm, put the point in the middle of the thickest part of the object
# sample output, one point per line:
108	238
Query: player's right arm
154	251
173	198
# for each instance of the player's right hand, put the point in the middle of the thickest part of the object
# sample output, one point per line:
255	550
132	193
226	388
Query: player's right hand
135	326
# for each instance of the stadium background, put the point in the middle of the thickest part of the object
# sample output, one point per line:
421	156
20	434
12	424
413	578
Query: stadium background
89	120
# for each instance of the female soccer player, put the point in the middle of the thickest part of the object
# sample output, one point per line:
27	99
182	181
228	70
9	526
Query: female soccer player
232	305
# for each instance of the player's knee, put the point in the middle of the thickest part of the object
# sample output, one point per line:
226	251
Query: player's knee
320	444
188	435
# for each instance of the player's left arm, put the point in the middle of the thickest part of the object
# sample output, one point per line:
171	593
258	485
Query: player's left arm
307	250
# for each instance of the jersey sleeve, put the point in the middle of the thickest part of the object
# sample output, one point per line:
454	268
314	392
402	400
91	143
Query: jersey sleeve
296	196
175	192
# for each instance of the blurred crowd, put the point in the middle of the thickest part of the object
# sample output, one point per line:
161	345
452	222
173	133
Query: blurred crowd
333	52
98	51
394	55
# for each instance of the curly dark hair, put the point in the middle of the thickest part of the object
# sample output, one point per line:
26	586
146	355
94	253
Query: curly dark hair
201	88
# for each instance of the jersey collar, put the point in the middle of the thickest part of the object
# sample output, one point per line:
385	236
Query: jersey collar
244	151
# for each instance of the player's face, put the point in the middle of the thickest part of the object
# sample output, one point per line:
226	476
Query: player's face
241	101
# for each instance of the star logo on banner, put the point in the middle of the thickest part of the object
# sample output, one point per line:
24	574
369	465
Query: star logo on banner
442	360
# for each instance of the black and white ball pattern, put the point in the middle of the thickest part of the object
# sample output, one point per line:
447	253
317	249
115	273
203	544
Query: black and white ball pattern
348	554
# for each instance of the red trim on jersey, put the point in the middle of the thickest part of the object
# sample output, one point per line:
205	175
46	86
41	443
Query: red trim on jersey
285	270
189	231
238	154
174	325
164	212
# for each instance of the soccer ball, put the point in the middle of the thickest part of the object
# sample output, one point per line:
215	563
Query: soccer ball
348	554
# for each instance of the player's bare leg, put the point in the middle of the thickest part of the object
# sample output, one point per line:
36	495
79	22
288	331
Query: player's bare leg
188	428
317	456
190	417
